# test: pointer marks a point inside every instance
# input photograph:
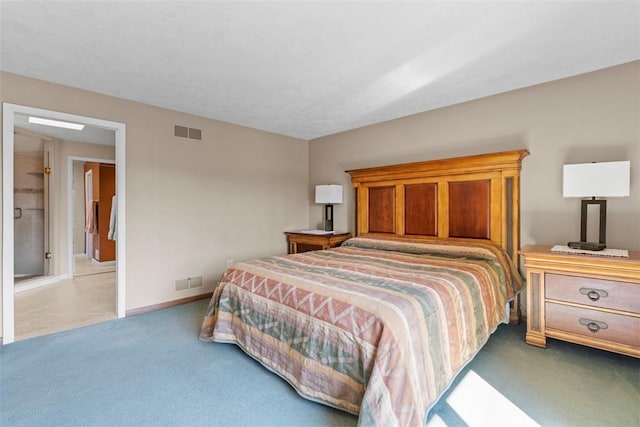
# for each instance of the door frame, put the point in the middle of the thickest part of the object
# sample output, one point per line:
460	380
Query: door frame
8	122
88	197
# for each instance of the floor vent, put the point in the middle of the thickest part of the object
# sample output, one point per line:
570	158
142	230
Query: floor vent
182	284
189	283
195	282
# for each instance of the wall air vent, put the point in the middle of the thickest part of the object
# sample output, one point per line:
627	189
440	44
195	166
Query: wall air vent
195	134
185	132
181	131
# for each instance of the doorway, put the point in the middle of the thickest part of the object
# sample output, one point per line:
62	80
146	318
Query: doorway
8	281
92	249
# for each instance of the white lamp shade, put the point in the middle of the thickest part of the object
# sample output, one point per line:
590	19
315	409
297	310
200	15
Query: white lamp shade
606	179
329	194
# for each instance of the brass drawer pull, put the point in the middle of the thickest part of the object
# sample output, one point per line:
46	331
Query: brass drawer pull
593	325
594	294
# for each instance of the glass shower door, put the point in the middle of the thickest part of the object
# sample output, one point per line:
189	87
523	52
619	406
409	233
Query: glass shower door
31	182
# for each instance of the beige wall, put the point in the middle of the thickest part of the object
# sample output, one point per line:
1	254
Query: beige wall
190	205
591	117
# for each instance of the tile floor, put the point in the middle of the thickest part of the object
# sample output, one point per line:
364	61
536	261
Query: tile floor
81	301
83	265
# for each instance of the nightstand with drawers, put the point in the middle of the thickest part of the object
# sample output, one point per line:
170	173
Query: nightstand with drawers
584	299
301	241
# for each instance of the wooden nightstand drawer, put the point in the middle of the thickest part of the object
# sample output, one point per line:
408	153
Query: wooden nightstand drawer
593	323
588	300
592	292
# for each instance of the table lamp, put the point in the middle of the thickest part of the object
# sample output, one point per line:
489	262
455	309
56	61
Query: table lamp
329	195
603	179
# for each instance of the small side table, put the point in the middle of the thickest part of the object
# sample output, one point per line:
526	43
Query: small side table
584	299
299	241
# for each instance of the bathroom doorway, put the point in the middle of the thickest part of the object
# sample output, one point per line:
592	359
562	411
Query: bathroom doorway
57	268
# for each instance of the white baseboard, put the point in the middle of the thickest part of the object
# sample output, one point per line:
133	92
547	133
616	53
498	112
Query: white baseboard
38	282
103	263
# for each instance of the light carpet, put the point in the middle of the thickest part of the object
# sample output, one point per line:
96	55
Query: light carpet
151	370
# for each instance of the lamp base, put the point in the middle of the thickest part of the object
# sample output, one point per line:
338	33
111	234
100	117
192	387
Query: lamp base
603	220
587	246
328	217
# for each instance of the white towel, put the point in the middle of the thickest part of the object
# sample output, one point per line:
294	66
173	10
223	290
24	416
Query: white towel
113	229
91	220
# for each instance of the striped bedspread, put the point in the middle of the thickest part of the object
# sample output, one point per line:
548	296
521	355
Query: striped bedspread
375	327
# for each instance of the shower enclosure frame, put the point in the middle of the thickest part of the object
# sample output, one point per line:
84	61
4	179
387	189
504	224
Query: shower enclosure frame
44	169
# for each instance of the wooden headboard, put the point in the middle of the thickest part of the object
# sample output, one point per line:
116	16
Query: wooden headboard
473	197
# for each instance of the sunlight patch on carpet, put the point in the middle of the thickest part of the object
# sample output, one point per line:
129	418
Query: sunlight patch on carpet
478	403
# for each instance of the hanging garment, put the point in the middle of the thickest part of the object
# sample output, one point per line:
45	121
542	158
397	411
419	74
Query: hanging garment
91	220
113	229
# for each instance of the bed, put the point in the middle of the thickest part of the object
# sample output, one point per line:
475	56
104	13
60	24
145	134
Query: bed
380	326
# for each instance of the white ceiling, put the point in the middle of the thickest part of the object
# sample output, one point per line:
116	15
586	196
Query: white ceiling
309	69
